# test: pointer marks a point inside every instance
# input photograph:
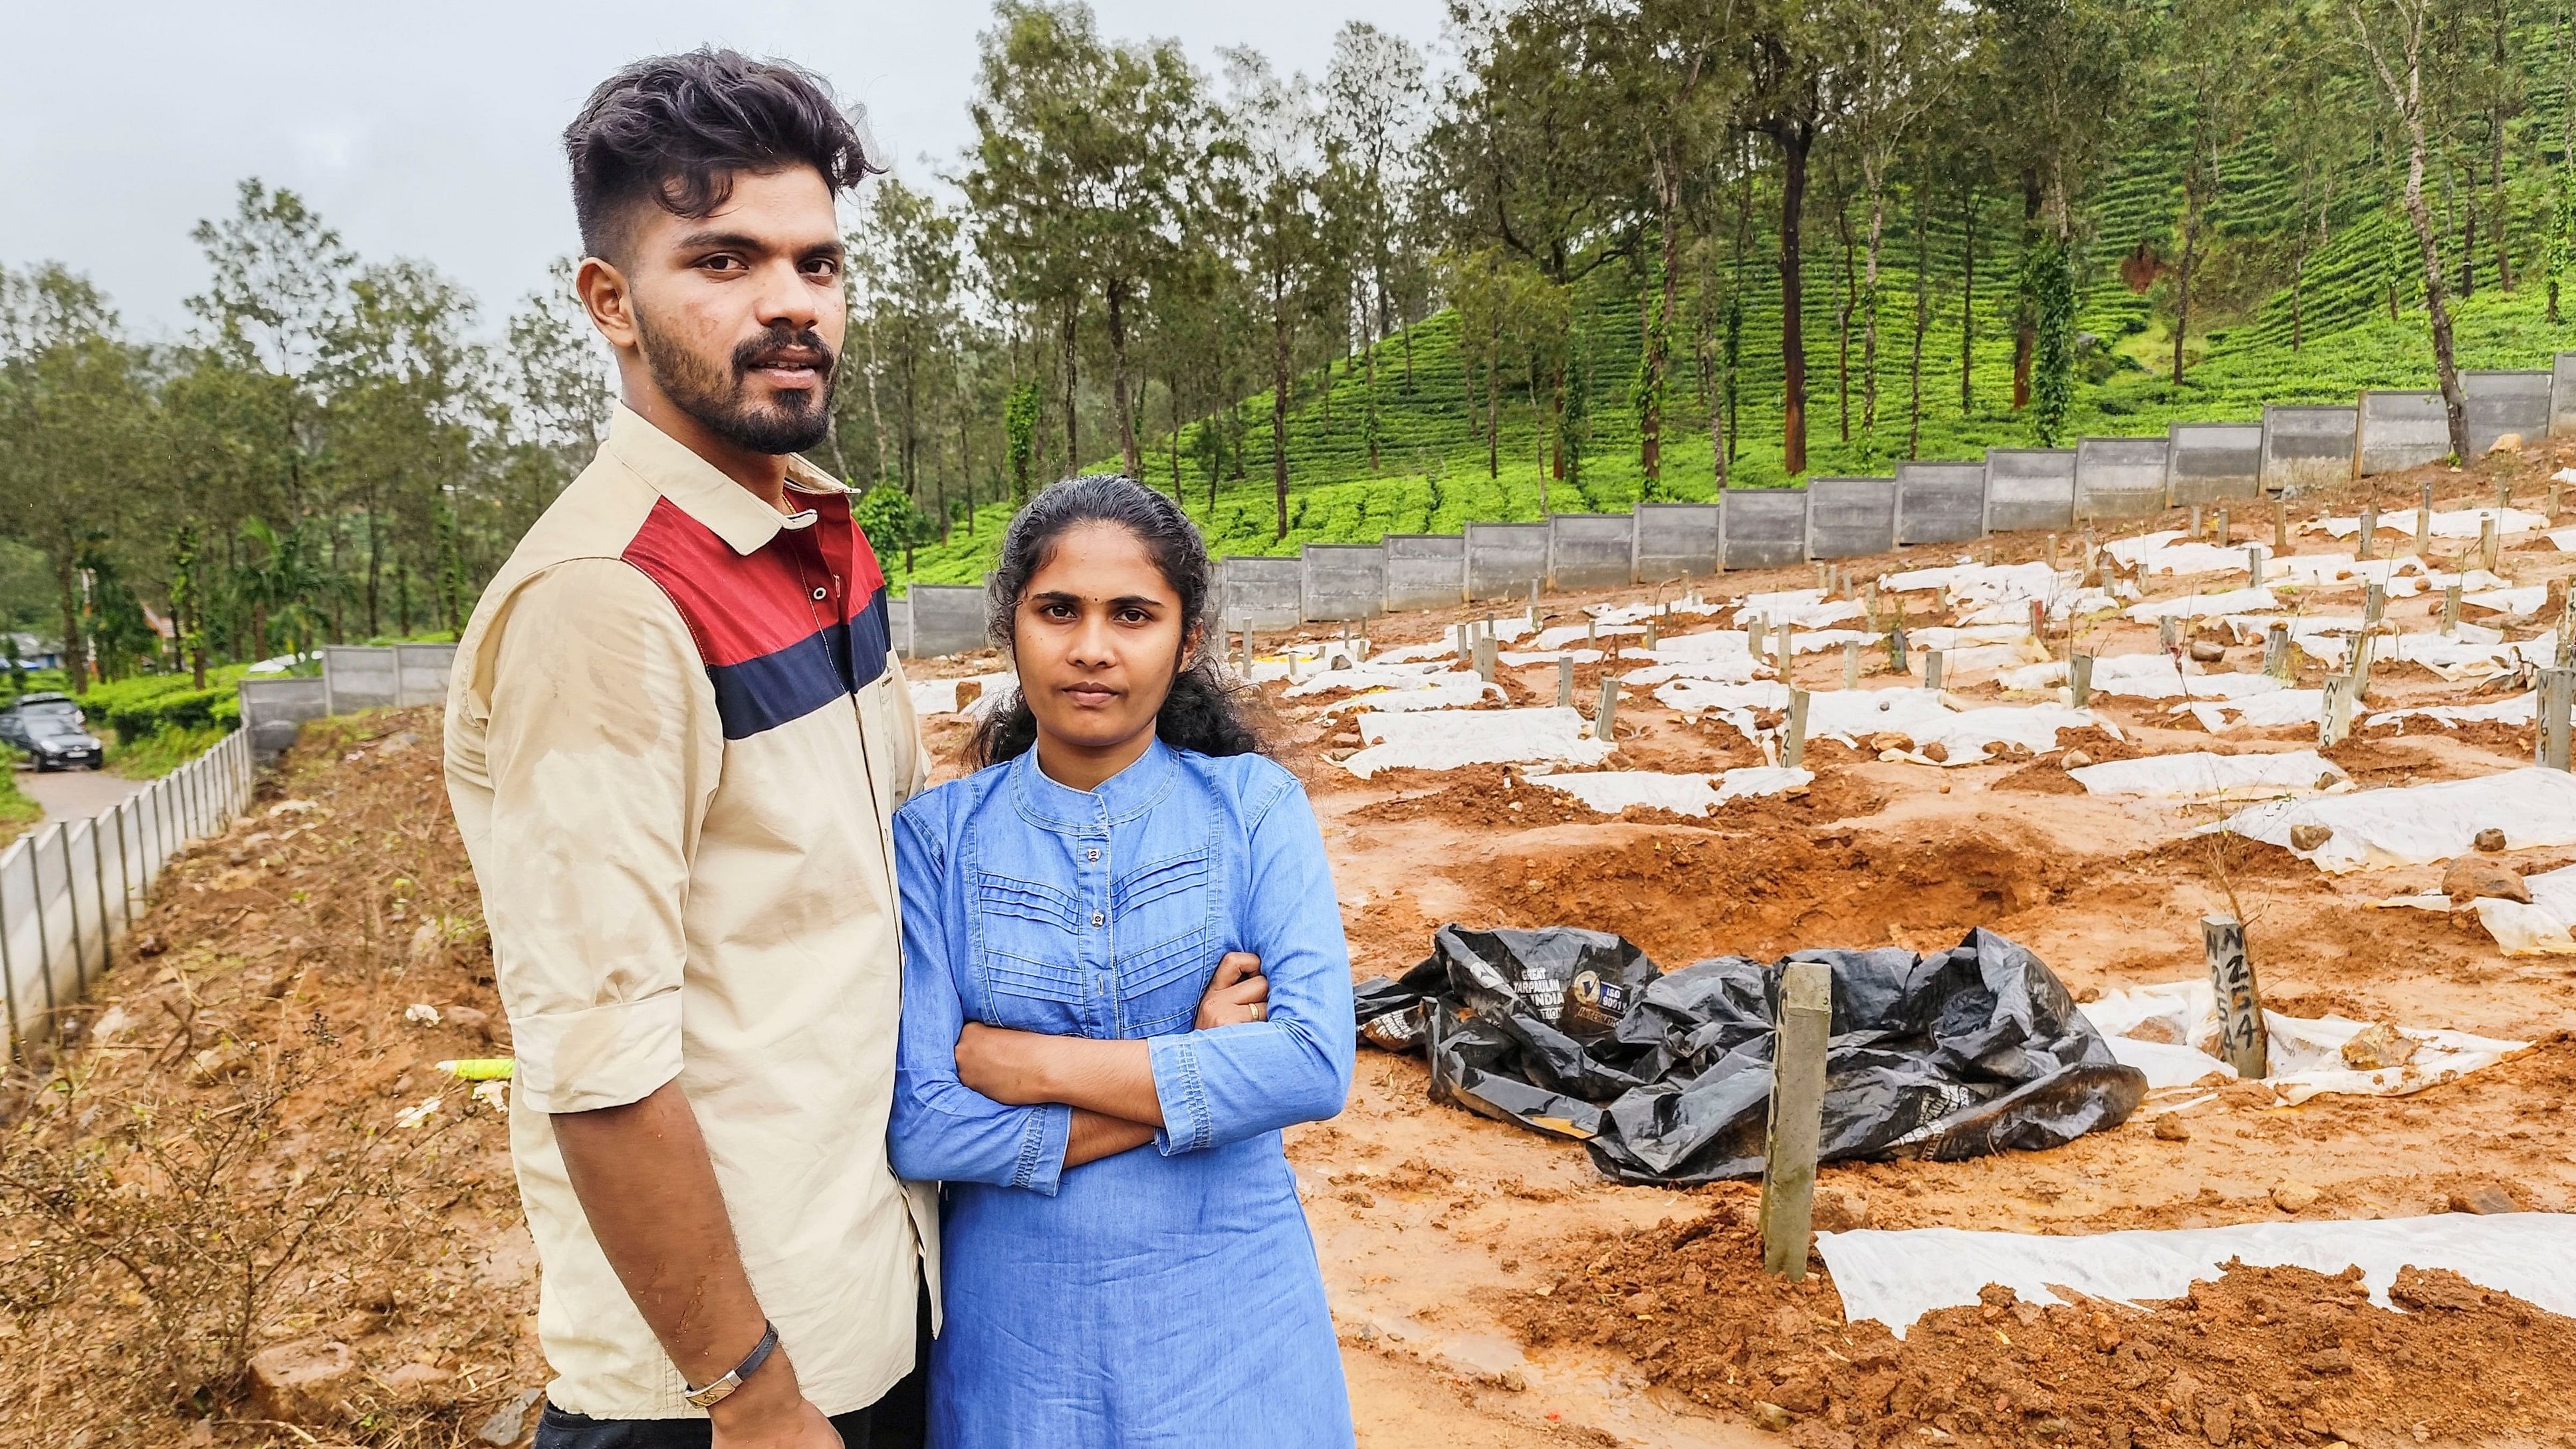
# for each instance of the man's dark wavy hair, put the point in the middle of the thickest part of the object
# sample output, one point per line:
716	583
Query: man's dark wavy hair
1205	711
676	129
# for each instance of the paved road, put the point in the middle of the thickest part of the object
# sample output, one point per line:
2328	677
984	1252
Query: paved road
77	794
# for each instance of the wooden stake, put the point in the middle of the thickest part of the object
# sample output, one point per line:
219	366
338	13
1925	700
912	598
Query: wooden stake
1797	1116
1753	632
2276	650
1788	657
2226	535
1851	664
1793	752
1932	669
2280	528
2242	1043
2369	535
2254	563
1565	681
2557	693
2374	603
2337	722
2487	544
1605	719
2079	680
2451	607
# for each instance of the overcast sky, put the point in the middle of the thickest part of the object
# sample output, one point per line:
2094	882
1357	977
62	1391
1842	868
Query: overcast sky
430	130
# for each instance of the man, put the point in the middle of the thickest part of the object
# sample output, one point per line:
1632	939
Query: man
675	741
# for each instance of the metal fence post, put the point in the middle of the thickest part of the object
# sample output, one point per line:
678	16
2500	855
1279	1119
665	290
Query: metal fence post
98	878
71	902
8	966
44	942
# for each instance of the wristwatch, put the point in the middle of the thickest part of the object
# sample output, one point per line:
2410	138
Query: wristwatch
716	1393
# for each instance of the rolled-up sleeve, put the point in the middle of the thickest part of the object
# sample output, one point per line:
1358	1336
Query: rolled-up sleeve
600	752
943	1130
1233	1082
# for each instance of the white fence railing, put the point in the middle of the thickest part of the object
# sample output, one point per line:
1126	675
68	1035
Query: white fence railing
68	890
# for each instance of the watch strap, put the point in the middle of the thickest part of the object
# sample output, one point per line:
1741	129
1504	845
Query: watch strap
710	1395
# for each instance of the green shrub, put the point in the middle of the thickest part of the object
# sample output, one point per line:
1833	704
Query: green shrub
183	709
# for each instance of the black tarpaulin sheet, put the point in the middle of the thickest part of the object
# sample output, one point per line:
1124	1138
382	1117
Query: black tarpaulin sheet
1666	1078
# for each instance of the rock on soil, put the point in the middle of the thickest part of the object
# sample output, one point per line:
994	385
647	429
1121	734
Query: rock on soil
2377	1046
302	1382
2470	877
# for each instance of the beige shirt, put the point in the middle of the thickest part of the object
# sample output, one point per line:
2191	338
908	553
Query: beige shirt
676	738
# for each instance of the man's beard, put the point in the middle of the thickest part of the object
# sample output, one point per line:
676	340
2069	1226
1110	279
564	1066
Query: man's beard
716	396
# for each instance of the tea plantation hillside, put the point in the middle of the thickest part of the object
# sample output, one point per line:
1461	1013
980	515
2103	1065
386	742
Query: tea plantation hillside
2251	342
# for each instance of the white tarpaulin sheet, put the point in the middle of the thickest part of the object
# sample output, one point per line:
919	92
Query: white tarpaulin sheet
2454	523
1557	636
1966	736
2201	775
1448	739
1375	674
2259	711
2525	600
2167	1030
1725	668
939	696
1732	700
1945	636
1690	603
2106	669
1806	608
2541	928
2454	659
2418	824
1442	691
2513	709
1611	791
2199	606
1896	1277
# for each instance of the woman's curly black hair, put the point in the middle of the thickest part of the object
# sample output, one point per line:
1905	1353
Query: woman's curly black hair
1205	711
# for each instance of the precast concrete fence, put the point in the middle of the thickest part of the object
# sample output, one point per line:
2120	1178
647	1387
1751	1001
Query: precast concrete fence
69	890
2105	480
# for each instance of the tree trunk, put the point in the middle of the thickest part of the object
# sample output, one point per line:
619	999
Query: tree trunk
1843	314
2191	203
1115	298
1869	307
375	566
2454	408
1968	307
1922	316
75	656
1279	406
1494	403
1072	422
2026	322
1794	143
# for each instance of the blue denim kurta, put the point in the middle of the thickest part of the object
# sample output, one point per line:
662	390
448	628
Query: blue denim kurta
1167	1296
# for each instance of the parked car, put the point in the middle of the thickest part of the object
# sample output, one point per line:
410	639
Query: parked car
57	742
48	702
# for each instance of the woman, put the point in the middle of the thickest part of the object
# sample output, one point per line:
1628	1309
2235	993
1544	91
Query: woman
1124	974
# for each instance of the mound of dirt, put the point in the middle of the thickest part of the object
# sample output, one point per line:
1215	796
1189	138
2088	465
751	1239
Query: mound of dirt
1496	797
2262	1356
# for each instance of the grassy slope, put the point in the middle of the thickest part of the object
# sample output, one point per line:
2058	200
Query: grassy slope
1432	474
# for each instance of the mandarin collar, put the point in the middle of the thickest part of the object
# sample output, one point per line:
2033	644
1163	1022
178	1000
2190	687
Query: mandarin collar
700	489
1123	796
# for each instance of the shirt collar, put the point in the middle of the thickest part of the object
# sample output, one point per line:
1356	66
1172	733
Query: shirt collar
1123	796
701	490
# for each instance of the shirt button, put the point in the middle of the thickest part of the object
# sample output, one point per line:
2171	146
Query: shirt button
818	592
1099	918
1092	854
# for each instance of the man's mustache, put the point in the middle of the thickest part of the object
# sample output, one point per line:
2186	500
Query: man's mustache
784	347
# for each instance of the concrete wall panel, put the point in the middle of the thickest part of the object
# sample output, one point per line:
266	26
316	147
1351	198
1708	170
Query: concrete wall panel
2119	477
947	619
2562	395
1591	550
2207	462
274	708
2305	444
1425	570
1504	559
1849	517
1344	581
2029	488
899	626
421	672
1676	541
1260	593
1940	502
2400	430
1764	528
358	676
2502	404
